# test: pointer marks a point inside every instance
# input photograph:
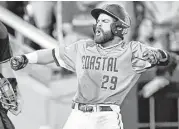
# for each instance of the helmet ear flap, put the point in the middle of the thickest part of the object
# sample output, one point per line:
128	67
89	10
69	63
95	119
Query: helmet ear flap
118	29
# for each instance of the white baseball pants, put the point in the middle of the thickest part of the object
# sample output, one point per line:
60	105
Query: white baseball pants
95	120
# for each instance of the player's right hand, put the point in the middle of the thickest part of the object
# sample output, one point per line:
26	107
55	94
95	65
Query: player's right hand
18	62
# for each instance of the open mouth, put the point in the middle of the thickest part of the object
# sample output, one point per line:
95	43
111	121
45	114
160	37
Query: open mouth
98	32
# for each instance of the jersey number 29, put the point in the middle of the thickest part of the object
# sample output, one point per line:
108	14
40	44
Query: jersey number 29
112	80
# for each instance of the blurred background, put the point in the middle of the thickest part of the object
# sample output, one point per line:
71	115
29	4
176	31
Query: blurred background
152	104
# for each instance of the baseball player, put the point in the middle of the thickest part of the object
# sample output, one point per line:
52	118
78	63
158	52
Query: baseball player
106	67
8	86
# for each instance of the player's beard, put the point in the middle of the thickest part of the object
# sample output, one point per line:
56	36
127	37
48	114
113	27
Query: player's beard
103	37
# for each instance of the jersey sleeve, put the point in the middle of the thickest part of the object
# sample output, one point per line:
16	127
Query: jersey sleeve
5	49
138	62
65	56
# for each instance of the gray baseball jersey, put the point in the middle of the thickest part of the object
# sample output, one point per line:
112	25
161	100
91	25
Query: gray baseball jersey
105	75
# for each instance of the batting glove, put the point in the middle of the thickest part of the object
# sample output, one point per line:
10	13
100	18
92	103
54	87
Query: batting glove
150	56
18	62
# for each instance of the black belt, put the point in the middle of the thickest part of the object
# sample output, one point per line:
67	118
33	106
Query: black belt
90	108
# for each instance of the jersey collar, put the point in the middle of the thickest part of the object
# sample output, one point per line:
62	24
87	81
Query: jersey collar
121	43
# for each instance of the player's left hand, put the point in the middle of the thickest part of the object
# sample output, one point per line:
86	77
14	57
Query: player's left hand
150	56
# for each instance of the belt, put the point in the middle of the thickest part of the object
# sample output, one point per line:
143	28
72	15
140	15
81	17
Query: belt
91	108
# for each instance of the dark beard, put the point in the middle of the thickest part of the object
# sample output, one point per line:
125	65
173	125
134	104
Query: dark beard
104	37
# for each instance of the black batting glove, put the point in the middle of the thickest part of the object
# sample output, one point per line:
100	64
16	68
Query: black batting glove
18	62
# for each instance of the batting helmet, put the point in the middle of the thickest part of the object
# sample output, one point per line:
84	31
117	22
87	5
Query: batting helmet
120	27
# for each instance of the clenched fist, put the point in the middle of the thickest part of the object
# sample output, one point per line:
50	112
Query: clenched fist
150	56
155	57
18	62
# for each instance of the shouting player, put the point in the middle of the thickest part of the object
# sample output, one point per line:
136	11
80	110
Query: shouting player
106	67
8	86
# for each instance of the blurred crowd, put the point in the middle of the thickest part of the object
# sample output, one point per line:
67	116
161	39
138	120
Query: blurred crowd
153	23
